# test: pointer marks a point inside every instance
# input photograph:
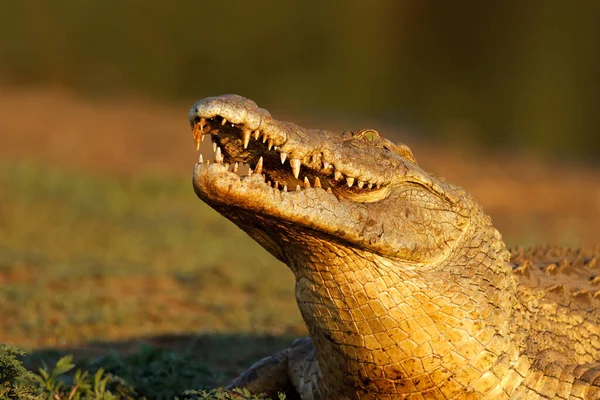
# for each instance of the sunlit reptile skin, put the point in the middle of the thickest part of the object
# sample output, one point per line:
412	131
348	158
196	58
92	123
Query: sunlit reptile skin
421	300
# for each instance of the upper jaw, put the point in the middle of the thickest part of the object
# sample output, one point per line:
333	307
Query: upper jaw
243	132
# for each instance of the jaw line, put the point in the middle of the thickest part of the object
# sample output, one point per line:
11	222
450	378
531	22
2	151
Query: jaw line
225	191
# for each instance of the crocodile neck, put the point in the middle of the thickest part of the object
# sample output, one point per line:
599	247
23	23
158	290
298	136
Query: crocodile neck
414	324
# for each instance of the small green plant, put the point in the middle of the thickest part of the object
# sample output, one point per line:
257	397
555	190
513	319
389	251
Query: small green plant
149	373
156	373
56	384
222	394
15	381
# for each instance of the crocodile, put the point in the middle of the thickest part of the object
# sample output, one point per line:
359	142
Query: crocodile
405	286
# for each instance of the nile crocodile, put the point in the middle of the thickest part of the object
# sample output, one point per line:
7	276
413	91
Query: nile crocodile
407	289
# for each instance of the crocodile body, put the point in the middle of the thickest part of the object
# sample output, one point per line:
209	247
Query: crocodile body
407	289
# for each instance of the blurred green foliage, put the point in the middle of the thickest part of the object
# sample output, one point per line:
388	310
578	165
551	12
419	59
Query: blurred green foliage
507	73
149	373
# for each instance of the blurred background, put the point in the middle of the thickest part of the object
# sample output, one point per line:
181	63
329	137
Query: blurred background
102	241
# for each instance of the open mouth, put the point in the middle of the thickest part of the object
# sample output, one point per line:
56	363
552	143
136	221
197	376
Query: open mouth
239	149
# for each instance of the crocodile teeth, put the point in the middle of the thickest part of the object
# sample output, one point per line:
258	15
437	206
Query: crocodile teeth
329	190
265	139
200	159
224	121
285	188
295	163
350	181
317	182
218	156
250	171
270	144
276	185
283	156
202	137
256	134
236	166
370	186
259	166
325	165
306	182
298	188
361	184
214	146
337	175
246	137
197	145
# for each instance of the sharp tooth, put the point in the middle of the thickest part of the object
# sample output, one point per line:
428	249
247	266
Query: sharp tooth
370	186
298	188
325	165
224	121
218	156
276	185
246	137
265	138
350	181
202	123
197	145
214	146
285	188
283	156
274	147
256	134
317	182
361	184
249	171
306	182
226	165
202	137
329	190
233	125
200	159
259	166
269	184
378	186
337	175
236	166
295	163
270	144
195	130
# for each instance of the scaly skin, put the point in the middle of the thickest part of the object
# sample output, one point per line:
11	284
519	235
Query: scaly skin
407	289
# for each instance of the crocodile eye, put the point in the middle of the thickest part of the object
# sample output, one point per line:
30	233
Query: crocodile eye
371	135
367	135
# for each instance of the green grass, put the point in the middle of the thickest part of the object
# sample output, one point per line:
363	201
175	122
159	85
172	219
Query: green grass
89	263
148	374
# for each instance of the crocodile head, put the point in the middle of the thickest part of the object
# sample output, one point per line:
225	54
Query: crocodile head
385	255
355	190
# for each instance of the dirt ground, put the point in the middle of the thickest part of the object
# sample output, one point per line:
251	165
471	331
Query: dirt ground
531	200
